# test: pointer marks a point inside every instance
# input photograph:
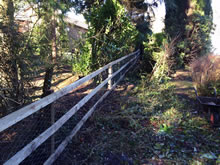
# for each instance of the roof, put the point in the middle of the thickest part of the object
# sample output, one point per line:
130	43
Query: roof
78	19
79	23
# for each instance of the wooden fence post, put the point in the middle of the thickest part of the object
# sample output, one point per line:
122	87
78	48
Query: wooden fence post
52	120
52	112
109	75
46	103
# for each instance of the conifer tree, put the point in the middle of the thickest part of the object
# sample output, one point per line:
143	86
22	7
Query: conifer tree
11	86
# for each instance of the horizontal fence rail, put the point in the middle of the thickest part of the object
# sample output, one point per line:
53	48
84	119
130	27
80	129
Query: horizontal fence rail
23	113
62	146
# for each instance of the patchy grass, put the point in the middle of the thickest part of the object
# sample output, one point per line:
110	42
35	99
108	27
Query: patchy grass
148	124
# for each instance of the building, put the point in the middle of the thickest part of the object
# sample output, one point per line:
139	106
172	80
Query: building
76	25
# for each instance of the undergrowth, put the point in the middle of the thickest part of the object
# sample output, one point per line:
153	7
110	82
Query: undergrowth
148	124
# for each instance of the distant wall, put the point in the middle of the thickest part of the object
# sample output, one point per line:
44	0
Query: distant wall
75	32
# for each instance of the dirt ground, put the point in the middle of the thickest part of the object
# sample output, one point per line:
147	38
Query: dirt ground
89	135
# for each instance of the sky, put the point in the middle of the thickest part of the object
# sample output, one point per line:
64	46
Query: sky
216	20
158	24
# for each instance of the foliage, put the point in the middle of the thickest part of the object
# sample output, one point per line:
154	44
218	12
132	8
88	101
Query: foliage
198	42
191	21
81	63
206	74
152	46
111	26
142	14
22	54
110	35
14	58
162	54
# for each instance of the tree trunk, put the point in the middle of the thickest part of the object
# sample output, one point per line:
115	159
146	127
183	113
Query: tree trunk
49	71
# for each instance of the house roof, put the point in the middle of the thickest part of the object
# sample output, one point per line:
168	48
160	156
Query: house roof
76	22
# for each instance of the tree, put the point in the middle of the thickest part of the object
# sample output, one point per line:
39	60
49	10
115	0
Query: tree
191	23
142	14
11	72
111	27
48	44
175	23
111	35
198	29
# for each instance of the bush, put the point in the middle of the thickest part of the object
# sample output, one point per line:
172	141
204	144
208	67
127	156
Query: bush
81	64
206	74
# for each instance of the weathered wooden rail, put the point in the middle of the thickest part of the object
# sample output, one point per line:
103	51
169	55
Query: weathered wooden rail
25	112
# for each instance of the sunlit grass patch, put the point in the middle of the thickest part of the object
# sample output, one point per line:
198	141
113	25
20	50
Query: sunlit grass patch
170	118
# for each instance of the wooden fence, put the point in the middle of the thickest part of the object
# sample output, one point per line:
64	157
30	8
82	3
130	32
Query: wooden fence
25	112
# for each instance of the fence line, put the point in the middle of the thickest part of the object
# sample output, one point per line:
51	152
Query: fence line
22	113
19	115
68	139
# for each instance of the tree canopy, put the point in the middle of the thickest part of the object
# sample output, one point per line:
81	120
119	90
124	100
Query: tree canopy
115	28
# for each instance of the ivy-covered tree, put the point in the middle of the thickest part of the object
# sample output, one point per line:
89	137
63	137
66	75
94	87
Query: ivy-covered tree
175	23
190	24
198	29
111	32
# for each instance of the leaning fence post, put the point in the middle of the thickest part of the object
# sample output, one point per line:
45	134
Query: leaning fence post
109	75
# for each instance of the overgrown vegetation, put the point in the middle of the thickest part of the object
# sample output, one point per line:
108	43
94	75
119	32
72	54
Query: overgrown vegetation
115	29
110	36
13	60
24	53
151	124
147	124
161	52
190	22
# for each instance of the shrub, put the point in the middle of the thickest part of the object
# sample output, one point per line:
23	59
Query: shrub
166	64
206	74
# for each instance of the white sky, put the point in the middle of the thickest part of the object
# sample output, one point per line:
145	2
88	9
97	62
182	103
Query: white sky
158	24
216	20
